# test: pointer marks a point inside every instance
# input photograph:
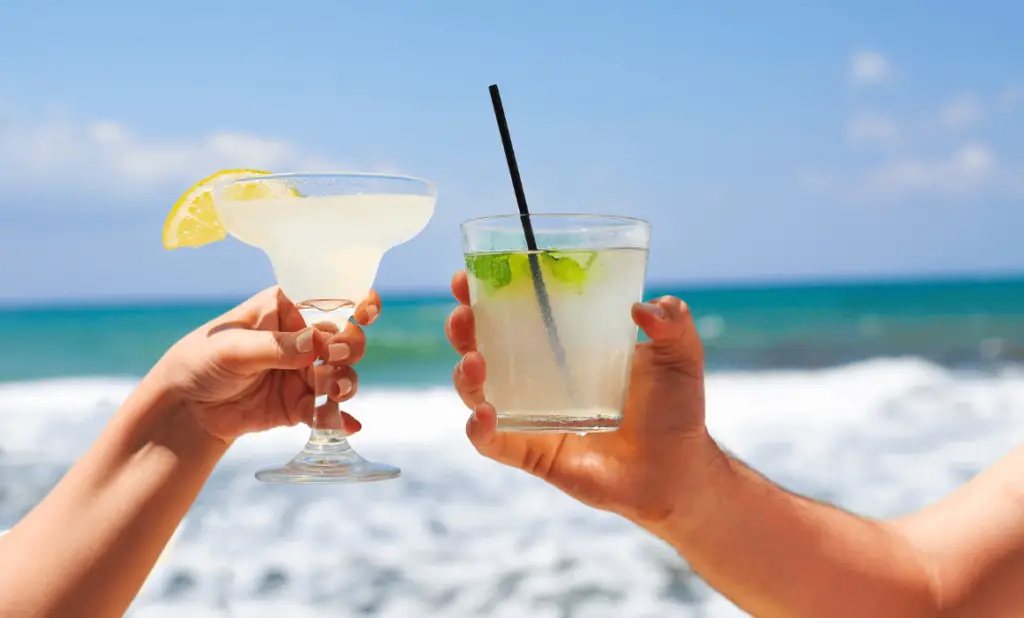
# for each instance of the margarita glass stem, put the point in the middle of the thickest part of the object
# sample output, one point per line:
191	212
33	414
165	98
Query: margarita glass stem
327	444
327	456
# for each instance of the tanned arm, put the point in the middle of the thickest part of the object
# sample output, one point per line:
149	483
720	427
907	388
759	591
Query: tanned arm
88	547
778	554
973	542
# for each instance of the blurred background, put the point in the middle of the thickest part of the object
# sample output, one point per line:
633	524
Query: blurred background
835	189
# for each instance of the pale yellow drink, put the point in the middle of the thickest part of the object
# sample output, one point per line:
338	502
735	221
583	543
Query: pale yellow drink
326	250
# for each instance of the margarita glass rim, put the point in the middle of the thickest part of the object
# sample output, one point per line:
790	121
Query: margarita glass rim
430	185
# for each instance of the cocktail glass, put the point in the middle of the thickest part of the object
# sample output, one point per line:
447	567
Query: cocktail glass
325	235
554	325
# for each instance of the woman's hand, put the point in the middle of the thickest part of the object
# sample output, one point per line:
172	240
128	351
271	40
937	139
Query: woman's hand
251	369
86	549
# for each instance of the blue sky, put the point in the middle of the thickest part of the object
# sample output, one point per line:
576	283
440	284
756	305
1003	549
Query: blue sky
763	141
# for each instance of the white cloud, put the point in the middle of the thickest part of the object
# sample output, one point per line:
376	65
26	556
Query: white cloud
960	113
913	158
874	129
973	171
869	68
968	171
110	160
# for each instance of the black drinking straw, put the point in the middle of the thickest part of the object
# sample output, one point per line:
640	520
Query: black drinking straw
524	216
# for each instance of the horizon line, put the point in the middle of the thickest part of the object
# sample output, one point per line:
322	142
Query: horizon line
782	282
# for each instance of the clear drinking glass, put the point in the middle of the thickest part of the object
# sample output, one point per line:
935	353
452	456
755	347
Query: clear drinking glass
325	235
554	325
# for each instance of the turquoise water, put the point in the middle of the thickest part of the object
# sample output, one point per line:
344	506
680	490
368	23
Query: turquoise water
457	535
952	323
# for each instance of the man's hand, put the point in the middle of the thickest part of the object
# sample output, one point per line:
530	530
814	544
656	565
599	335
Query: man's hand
635	471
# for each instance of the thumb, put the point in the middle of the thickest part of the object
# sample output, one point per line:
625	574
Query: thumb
675	344
262	350
534	453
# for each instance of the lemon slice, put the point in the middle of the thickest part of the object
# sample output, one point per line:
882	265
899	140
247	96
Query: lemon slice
193	221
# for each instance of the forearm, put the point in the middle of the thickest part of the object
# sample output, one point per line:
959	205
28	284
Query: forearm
777	554
89	546
974	541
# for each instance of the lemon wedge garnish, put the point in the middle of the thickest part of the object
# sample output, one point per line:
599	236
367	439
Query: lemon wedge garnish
193	221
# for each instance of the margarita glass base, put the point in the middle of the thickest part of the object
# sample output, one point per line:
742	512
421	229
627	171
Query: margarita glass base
328	463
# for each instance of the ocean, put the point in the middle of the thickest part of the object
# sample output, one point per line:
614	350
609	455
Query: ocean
879	398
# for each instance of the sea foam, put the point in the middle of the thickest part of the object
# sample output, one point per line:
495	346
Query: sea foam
458	535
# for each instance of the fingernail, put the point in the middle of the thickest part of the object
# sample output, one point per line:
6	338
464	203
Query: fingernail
304	342
338	351
371	313
652	309
344	387
458	366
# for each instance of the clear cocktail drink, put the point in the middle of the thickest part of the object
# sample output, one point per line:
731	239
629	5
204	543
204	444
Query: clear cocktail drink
558	348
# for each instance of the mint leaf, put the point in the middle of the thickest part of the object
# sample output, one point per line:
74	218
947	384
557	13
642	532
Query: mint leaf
491	268
497	270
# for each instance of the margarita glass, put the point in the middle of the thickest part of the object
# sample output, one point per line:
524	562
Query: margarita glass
325	235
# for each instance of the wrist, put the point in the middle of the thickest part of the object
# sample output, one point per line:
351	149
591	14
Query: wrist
157	414
696	491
